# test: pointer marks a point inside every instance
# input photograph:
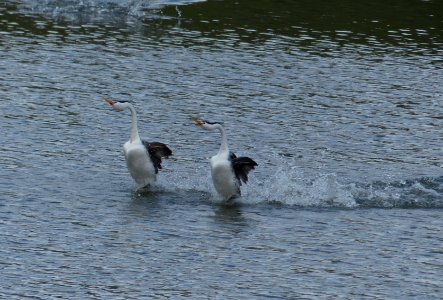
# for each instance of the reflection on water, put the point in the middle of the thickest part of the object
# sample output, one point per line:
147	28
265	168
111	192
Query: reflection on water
313	25
230	214
326	25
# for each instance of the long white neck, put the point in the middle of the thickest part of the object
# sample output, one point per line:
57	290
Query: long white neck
134	127
224	140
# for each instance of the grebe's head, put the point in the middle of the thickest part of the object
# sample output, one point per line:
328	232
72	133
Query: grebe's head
117	105
206	124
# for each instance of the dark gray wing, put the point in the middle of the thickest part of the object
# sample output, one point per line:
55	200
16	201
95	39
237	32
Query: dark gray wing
232	155
242	166
156	151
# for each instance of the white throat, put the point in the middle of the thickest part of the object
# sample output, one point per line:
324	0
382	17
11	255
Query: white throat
224	141
134	127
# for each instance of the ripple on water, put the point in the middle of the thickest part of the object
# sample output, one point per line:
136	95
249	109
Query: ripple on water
343	121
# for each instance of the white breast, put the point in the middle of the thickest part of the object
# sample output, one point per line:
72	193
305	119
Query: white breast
223	177
139	163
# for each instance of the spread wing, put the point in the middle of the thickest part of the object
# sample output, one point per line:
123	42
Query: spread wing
242	166
232	155
156	151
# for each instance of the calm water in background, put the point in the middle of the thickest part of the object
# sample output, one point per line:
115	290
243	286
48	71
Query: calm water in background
339	103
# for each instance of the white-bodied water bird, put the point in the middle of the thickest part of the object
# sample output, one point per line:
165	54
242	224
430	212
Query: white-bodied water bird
143	158
228	171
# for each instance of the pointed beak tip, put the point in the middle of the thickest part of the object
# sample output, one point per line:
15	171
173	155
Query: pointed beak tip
111	102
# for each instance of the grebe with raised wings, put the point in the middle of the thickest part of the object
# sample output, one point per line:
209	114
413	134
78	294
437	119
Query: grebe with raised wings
228	171
143	158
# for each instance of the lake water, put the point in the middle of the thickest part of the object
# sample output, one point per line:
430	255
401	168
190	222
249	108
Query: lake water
340	104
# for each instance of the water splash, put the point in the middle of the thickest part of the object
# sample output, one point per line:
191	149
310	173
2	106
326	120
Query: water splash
425	192
107	11
292	187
